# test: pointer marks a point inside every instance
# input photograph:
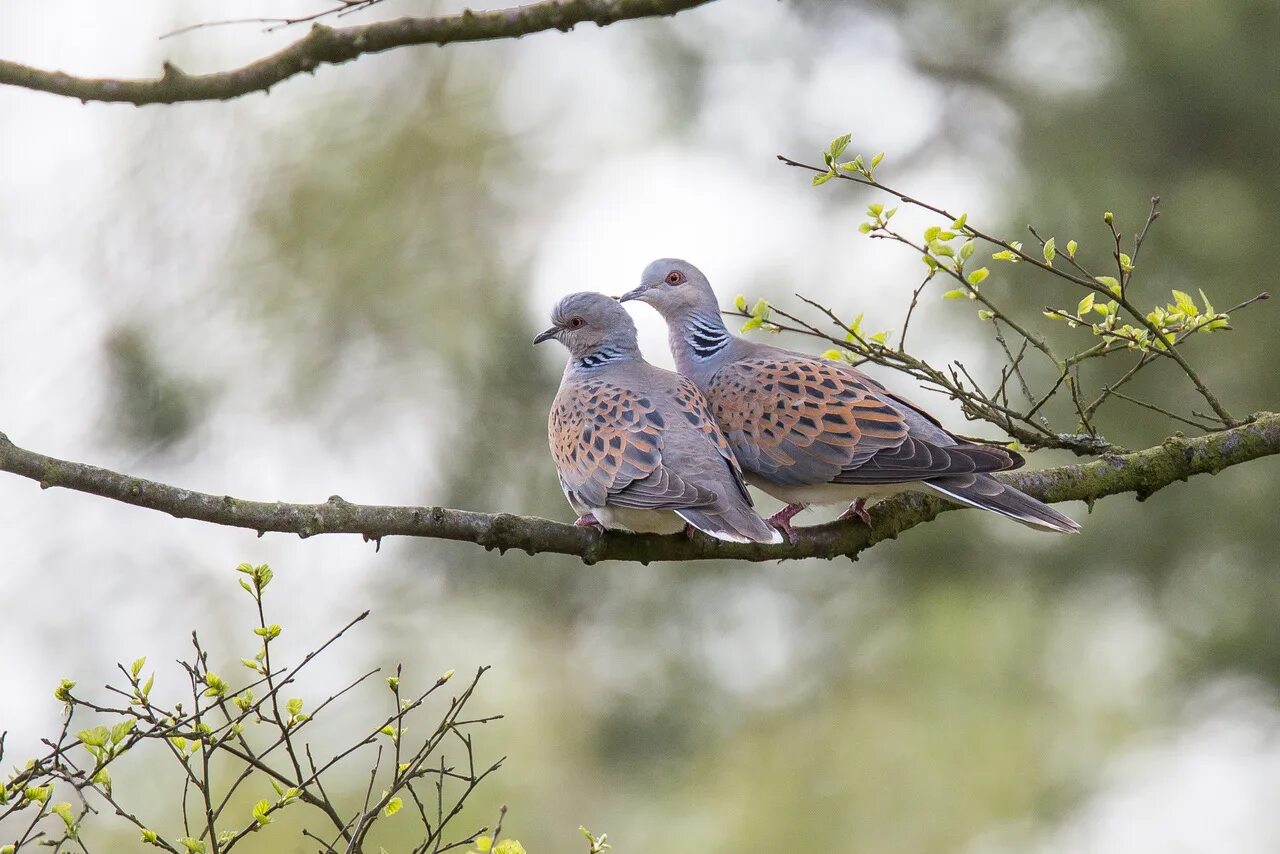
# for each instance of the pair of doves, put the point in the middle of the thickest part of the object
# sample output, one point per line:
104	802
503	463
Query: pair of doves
642	449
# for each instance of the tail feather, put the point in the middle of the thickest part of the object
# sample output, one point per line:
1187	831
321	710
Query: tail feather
987	493
737	524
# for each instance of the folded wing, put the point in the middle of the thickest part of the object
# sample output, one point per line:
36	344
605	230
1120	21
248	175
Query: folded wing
797	420
607	443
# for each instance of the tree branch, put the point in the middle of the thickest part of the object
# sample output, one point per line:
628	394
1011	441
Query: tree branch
332	46
1143	472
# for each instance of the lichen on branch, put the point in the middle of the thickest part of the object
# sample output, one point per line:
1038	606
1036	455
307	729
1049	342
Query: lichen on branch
1143	473
332	46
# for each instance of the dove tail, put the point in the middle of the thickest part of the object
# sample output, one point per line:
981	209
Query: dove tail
987	493
736	524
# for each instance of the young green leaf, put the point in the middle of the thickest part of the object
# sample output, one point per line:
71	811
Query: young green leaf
63	811
838	145
979	276
1185	303
393	806
216	687
1208	306
1050	251
39	794
1111	282
95	737
121	730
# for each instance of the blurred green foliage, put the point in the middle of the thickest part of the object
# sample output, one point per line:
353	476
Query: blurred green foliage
968	680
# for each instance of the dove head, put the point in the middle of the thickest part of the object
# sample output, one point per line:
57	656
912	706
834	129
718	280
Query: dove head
676	288
594	328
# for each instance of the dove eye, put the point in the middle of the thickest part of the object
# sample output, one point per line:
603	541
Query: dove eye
575	323
675	277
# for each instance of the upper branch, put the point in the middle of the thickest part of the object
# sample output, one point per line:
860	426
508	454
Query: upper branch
1143	472
331	46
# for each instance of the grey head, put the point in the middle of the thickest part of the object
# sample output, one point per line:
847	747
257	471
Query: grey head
595	329
677	289
700	342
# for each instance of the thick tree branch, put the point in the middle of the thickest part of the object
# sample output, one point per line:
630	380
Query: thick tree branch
1143	472
332	46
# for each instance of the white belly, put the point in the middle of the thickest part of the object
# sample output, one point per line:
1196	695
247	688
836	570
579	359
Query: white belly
831	493
638	521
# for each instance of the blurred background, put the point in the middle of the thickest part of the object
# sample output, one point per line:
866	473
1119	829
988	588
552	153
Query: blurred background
332	290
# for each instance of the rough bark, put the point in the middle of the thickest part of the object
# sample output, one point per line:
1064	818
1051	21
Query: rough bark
331	46
1143	472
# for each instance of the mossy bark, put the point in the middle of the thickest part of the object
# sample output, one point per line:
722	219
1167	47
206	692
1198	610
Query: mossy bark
1143	473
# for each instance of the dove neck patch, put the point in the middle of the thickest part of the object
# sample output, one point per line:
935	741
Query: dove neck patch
603	356
705	336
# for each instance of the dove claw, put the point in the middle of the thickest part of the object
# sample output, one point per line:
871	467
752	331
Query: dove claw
857	509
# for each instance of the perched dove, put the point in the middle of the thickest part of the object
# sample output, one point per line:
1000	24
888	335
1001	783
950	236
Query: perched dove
634	445
812	431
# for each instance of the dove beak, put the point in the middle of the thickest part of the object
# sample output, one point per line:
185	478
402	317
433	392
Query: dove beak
547	334
634	293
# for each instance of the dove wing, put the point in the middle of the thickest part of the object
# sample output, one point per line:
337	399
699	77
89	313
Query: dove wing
607	443
798	420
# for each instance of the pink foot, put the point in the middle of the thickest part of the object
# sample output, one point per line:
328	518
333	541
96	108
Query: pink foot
857	509
782	520
586	520
689	531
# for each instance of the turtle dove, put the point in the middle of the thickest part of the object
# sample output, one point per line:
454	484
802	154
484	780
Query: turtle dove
634	445
813	431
